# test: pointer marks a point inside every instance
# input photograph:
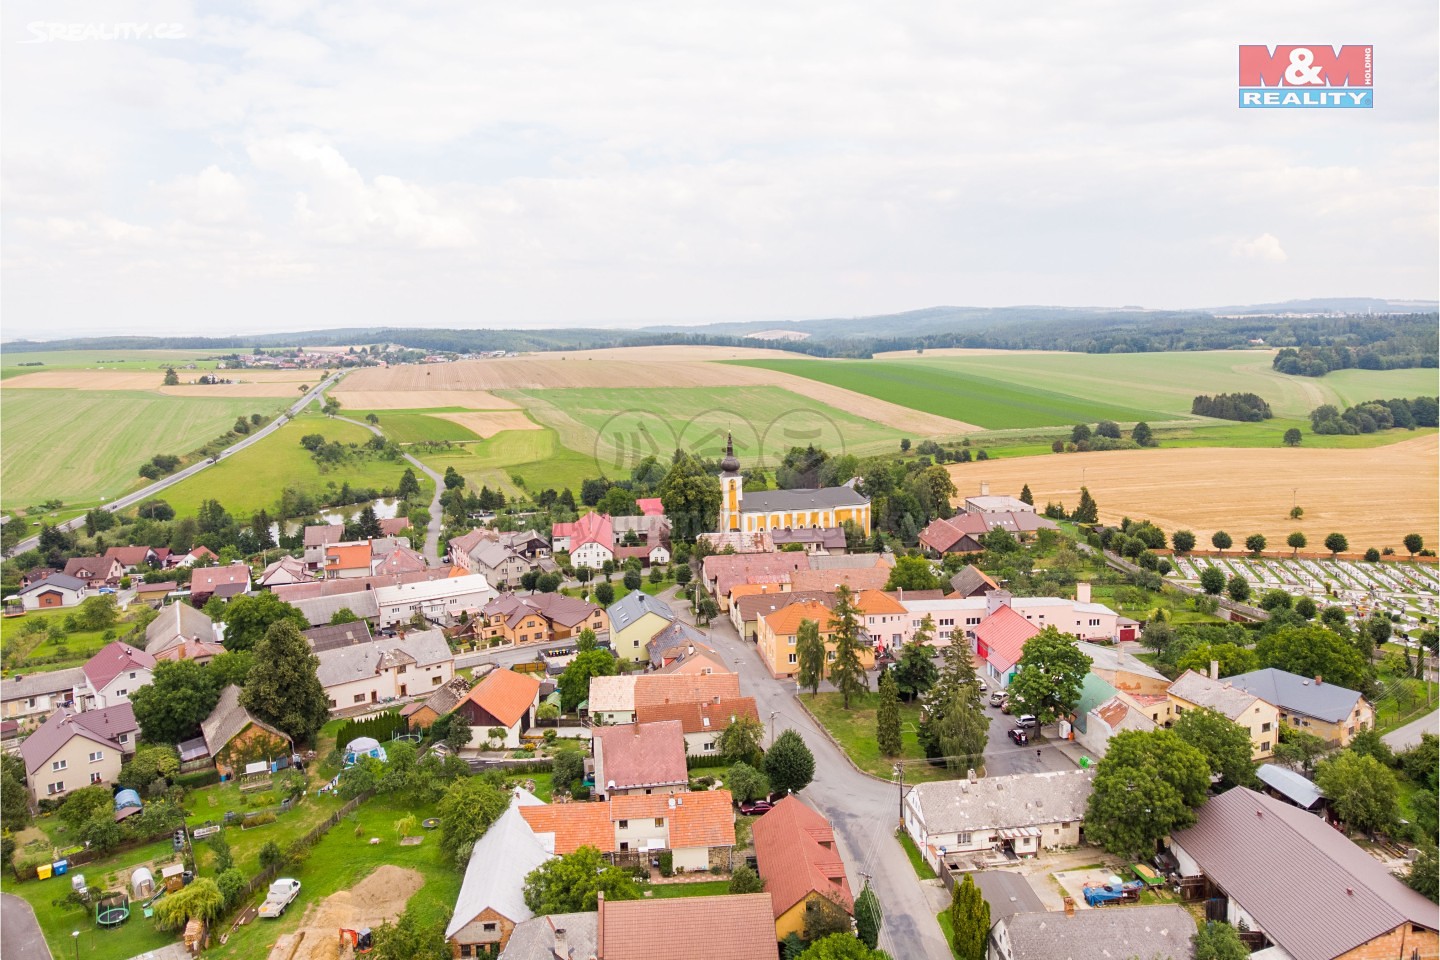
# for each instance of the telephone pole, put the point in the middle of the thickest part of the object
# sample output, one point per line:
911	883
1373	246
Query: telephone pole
900	787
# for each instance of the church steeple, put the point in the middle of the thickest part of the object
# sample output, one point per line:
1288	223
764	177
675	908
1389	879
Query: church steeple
730	465
731	488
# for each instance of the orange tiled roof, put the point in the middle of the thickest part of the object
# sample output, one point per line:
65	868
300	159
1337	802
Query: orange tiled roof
786	620
701	819
693	717
652	689
735	927
797	856
754	589
505	695
875	602
704	819
575	825
348	557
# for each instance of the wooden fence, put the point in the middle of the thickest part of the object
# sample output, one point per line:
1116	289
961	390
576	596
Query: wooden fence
82	857
262	879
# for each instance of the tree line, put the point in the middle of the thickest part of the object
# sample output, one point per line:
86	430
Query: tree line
1375	415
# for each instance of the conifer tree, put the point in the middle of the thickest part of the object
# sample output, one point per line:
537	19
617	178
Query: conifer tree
810	655
887	718
969	921
286	692
1026	496
846	671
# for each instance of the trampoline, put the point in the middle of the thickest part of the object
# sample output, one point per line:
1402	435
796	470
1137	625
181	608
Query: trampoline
112	910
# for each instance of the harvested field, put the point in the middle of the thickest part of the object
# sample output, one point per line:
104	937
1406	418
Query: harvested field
380	398
488	423
278	383
376	899
1374	496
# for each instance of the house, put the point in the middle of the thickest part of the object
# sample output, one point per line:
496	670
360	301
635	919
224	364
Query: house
1331	712
1124	671
201	651
71	750
770	510
697	661
504	699
650	506
652	555
499	564
658	688
612	699
817	540
965	532
395	527
640	758
955	820
317	538
796	856
697	828
176	624
883	618
201	554
438	601
539	618
235	738
1000	641
1260	719
559	935
590	540
97	572
346	560
647	530
400	559
1301	884
55	591
502	557
1080	617
735	542
155	593
1103	711
747	609
385	669
132	558
423	713
28	698
859	572
634	619
332	635
319	611
1007	893
491	905
1161	930
776	637
224	582
985	503
701	723
674	641
112	674
36	574
722	572
736	927
1290	787
971	581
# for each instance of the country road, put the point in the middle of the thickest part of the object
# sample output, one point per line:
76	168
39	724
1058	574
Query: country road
437	516
145	493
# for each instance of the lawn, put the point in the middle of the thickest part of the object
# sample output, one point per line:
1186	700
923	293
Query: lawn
253	478
1402	701
704	888
855	731
917	860
21	651
535	456
122	360
84	447
210	805
413	426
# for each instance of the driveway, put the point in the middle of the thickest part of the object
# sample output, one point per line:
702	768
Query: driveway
20	937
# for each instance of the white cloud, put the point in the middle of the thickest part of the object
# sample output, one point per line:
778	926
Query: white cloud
1265	248
211	196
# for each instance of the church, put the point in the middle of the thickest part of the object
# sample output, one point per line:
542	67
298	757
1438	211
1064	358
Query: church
742	512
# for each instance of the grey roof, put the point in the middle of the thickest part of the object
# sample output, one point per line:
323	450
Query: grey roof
319	610
319	535
344	664
40	684
649	526
330	636
1312	891
1290	784
499	861
1153	931
426	647
1021	800
63	581
1297	694
849	561
535	939
228	719
972	581
361	660
1007	893
490	554
1105	657
678	634
176	621
828	537
633	606
824	498
1222	696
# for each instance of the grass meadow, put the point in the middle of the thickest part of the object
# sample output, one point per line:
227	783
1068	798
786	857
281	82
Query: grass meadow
413	426
535	456
15	364
85	446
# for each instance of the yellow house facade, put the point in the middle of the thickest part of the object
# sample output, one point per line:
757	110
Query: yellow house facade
777	638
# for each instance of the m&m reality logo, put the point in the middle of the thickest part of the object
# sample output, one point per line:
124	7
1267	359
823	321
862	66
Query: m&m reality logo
1307	76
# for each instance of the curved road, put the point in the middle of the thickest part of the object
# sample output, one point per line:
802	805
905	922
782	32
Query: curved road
437	516
20	936
163	483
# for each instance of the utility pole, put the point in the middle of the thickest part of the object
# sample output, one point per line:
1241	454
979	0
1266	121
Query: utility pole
900	786
773	715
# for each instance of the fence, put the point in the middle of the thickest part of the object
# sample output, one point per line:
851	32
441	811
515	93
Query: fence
262	879
82	857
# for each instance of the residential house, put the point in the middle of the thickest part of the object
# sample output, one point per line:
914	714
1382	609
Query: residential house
1300	884
651	555
747	609
1095	726
1007	894
347	560
1261	720
815	540
317	538
1159	930
971	581
201	651
722	572
648	529
658	688
319	611
400	559
385	669
559	936
634	619
883	618
697	828
504	699
491	902
776	637
36	574
200	554
133	558
786	509
438	601
701	723
97	572
235	738
176	624
423	713
1287	786
395	527
735	542
499	564
155	593
640	758
858	571
736	927
612	699
698	661
111	675
1124	671
55	591
332	635
590	540
224	582
796	856
28	698
1331	712
965	532
956	820
539	618
71	750
675	640
985	503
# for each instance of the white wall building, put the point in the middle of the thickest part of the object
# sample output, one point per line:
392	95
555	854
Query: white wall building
435	599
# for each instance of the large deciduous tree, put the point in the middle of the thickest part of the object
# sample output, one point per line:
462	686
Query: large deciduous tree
180	694
691	497
1219	941
1051	670
809	655
955	725
467	809
790	765
1296	542
287	693
916	672
1337	544
912	573
1363	791
1212	580
572	883
1221	540
741	741
1313	651
247	618
574	683
1183	541
1148	785
1226	744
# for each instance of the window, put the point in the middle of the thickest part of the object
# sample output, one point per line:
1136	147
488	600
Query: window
359	698
465	950
1265	746
790	640
659	821
1095	622
434	681
829	655
132	674
95	778
963	838
121	693
1265	727
57	787
124	738
792	658
96	756
491	927
624	824
624	844
59	765
947	621
972	621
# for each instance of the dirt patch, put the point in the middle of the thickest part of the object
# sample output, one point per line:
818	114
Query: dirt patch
1374	496
488	423
374	900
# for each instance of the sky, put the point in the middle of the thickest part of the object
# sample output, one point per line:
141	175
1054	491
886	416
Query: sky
214	169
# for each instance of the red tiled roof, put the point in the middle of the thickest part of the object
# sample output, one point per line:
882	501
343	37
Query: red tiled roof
650	506
505	695
401	560
394	526
89	568
128	556
206	579
592	527
699	717
1004	632
191	650
641	754
735	927
114	659
575	825
652	689
865	578
795	850
727	570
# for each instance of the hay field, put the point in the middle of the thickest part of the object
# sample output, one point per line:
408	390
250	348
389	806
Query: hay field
486	424
1373	496
251	383
385	399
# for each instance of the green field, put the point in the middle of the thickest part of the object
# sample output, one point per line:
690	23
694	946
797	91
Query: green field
85	446
120	360
536	456
412	426
253	478
618	427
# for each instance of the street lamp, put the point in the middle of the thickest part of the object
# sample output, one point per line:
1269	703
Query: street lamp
75	936
773	715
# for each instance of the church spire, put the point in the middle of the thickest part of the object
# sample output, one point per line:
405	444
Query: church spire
730	465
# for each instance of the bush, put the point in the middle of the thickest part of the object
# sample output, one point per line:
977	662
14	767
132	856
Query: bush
258	819
667	864
270	855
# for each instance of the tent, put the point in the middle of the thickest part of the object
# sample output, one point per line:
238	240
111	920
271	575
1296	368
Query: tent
363	747
127	798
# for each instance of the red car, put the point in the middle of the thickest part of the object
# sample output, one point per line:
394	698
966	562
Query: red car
755	807
1020	737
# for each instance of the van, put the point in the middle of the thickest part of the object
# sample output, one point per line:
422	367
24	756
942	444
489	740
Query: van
998	697
1028	721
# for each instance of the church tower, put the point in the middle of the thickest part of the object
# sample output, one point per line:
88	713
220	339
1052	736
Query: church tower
731	493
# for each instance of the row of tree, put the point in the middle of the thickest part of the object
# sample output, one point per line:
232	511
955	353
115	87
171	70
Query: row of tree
1375	415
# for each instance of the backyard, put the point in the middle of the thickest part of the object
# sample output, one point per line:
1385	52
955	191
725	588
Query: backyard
50	646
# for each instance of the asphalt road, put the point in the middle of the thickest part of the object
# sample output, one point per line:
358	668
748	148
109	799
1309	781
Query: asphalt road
20	936
1409	735
145	493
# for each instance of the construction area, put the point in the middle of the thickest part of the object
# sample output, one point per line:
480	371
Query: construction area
378	898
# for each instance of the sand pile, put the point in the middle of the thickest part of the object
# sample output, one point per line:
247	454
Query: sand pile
379	897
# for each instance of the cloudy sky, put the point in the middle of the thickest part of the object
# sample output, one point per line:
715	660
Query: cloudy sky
291	164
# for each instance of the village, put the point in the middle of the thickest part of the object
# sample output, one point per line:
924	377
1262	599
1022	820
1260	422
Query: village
766	739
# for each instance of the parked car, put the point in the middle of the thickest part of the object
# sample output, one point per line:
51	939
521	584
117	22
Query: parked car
998	698
1020	737
1028	721
983	685
1005	705
756	807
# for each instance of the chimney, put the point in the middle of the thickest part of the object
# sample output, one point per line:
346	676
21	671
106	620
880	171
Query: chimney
1214	669
1069	906
562	947
1319	680
984	489
1082	592
600	923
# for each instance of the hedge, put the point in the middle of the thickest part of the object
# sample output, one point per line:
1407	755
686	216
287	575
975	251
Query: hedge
381	728
198	779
